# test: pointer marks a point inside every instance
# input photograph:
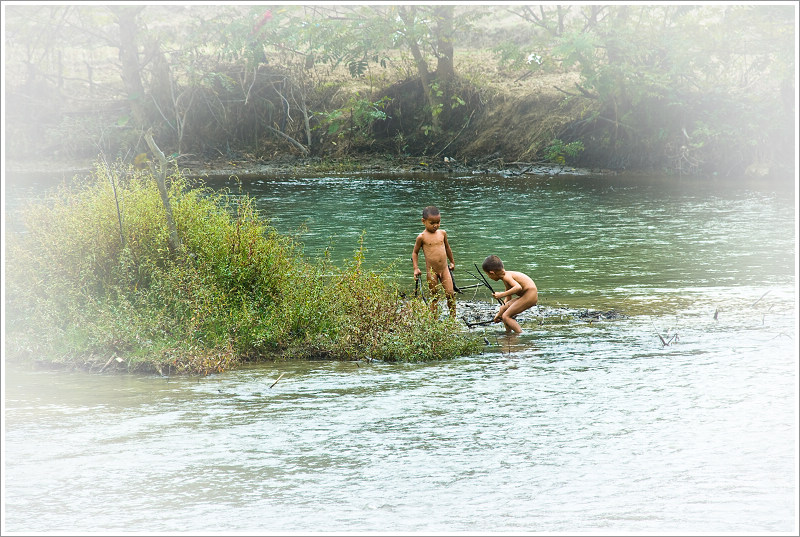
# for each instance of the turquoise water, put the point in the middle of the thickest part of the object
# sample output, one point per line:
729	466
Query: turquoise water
572	427
588	241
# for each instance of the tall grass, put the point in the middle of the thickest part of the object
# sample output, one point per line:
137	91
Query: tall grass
84	292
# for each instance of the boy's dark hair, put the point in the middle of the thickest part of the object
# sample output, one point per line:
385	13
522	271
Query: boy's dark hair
429	211
492	263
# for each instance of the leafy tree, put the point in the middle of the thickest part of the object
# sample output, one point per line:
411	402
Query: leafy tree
679	85
359	35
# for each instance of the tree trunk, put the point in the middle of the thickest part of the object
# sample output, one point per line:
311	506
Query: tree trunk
161	84
129	58
422	67
445	72
444	42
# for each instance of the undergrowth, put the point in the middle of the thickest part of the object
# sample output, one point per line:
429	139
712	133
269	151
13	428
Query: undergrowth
85	290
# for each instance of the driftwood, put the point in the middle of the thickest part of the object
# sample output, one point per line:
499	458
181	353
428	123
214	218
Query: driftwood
665	342
759	300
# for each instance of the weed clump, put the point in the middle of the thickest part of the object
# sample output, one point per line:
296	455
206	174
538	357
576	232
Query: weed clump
94	286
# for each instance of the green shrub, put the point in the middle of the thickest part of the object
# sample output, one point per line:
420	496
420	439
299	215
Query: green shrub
85	290
557	151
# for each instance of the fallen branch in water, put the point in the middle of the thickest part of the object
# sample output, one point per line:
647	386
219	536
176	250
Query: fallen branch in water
779	335
764	315
478	323
759	300
277	379
664	342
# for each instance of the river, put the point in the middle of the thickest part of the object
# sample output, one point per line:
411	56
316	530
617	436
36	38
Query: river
572	427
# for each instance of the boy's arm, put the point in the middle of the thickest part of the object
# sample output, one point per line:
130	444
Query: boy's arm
512	286
415	256
448	251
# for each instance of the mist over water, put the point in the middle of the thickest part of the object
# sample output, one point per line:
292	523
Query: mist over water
571	427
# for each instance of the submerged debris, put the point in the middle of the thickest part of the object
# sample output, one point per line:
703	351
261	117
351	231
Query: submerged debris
480	314
601	315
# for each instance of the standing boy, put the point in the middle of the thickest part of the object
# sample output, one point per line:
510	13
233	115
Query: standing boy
433	242
516	283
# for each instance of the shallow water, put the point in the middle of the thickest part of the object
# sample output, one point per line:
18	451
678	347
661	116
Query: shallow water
571	427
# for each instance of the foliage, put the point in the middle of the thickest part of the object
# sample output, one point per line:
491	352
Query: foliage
692	88
80	289
351	313
355	118
558	151
688	86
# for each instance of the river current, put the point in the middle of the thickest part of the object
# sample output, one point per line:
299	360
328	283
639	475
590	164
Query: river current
572	427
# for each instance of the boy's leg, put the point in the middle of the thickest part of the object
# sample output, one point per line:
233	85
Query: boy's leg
499	316
527	300
451	304
433	286
449	292
510	324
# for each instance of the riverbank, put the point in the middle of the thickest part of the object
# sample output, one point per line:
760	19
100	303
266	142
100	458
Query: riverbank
509	95
247	167
243	165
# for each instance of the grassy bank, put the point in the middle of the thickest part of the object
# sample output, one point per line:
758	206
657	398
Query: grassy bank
94	286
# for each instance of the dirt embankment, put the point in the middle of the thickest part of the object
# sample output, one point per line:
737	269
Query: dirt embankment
503	129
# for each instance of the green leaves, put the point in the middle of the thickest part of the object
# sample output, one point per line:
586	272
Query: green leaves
576	48
356	117
357	68
557	151
659	71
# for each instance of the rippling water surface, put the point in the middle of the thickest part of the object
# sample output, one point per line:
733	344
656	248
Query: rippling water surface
571	427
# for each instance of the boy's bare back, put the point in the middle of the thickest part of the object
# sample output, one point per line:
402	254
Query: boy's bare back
516	283
522	279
